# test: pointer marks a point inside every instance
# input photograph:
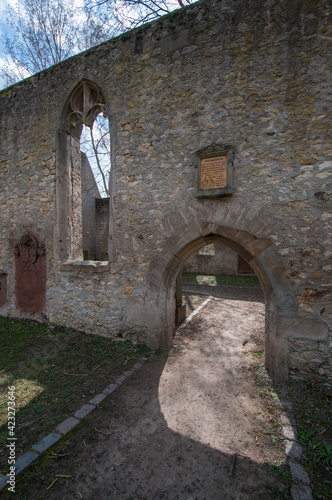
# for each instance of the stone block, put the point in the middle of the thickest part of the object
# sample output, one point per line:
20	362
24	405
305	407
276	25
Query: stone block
286	403
288	420
276	354
67	425
84	411
157	271
298	474
277	278
161	276
110	388
97	399
46	442
85	266
3	481
25	460
186	234
301	492
120	379
160	338
293	450
191	248
302	328
241	240
288	432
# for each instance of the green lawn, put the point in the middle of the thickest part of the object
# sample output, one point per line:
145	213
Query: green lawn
55	371
221	279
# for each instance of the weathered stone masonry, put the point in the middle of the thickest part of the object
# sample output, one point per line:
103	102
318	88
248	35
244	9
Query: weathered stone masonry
251	75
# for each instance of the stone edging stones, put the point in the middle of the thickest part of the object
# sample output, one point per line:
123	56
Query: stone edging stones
300	489
66	426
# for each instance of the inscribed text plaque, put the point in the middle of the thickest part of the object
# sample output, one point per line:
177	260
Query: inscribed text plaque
213	172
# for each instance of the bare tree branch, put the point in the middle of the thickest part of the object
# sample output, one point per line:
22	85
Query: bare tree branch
121	15
96	144
95	150
43	33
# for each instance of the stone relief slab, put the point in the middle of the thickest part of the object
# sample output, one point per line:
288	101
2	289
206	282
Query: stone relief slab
30	273
3	288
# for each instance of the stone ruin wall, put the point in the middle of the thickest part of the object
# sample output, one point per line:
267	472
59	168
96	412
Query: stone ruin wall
221	260
253	75
90	193
95	211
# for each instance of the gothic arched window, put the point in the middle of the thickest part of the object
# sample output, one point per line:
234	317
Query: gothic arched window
83	166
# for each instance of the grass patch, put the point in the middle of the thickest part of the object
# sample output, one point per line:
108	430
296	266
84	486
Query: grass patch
221	279
272	435
269	392
312	410
55	371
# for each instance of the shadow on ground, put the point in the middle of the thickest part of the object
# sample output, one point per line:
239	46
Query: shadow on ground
127	451
175	430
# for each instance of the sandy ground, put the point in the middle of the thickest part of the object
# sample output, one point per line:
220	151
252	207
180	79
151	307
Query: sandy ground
172	430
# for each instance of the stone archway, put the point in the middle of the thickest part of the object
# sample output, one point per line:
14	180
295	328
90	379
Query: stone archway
280	299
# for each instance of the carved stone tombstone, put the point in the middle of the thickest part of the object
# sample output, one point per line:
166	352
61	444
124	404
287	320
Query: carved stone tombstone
30	273
3	288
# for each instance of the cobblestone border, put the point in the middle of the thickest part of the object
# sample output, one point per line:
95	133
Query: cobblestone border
36	450
300	489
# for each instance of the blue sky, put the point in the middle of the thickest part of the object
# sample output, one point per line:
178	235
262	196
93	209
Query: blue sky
3	31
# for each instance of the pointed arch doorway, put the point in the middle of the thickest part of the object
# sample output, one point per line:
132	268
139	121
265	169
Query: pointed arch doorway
280	299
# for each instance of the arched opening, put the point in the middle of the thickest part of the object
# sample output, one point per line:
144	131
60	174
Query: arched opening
206	247
83	171
95	148
280	299
215	265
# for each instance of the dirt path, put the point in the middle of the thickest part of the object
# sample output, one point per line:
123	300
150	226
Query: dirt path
172	430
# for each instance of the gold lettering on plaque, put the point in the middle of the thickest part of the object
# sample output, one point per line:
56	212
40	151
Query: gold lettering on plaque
214	172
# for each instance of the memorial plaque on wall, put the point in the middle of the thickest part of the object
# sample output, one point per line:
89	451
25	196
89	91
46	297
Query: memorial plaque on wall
215	171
